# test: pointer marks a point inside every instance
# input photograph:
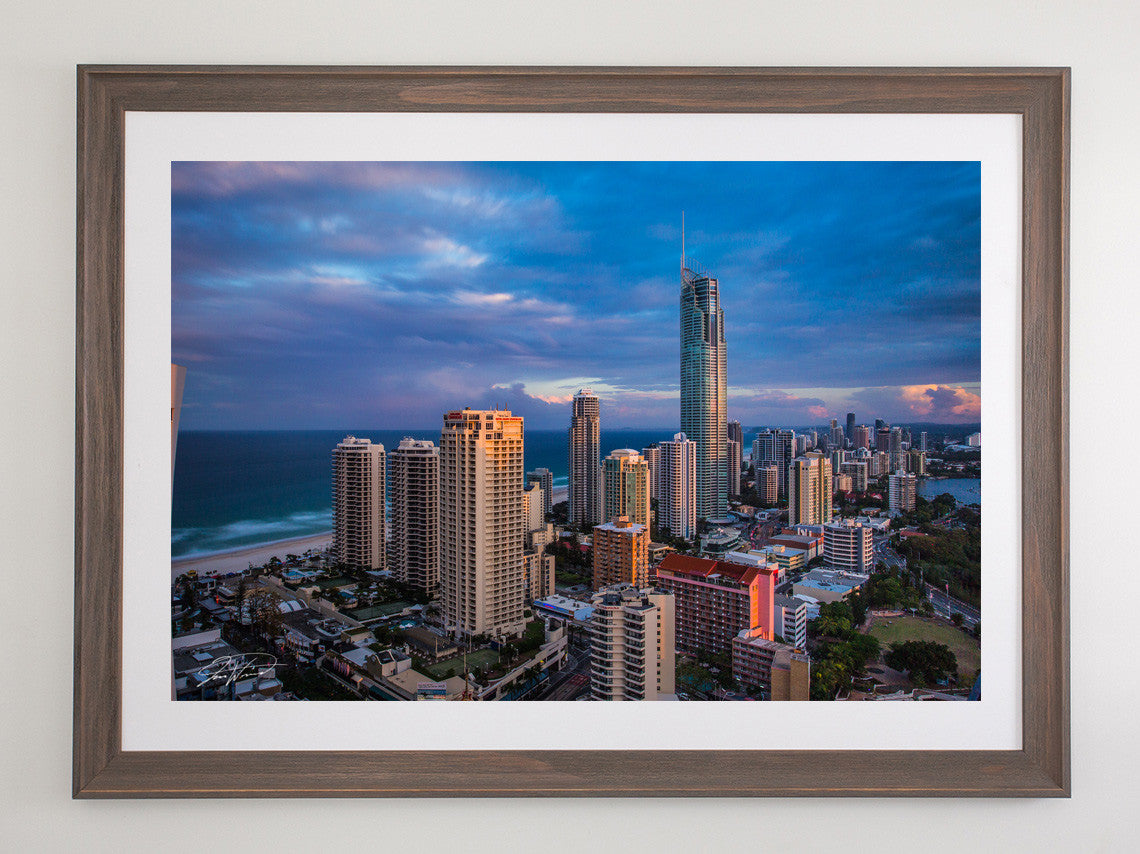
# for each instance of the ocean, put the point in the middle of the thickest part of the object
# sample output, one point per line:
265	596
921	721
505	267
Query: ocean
965	490
239	489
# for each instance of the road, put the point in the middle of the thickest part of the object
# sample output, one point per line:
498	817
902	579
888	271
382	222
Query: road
947	605
570	681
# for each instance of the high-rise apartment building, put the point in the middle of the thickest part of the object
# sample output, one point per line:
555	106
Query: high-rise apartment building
809	490
585	459
851	427
677	497
857	469
883	440
704	388
533	503
848	545
544	478
777	447
481	522
734	463
778	668
861	437
736	432
767	483
715	600
631	644
625	475
916	462
922	441
413	498
652	457
902	492
836	436
898	460
358	503
621	553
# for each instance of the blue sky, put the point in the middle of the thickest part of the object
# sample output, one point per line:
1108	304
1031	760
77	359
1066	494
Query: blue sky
330	295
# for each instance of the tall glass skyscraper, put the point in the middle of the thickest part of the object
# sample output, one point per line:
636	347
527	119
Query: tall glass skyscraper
585	460
704	388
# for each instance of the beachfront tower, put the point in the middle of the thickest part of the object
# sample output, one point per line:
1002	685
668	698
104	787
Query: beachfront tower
413	495
358	503
481	522
585	460
676	496
704	388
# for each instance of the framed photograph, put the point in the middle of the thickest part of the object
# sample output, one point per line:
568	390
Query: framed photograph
540	387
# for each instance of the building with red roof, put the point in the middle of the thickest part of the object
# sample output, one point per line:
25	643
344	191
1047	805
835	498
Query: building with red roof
715	600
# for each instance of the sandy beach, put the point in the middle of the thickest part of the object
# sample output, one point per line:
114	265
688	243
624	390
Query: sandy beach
231	561
559	494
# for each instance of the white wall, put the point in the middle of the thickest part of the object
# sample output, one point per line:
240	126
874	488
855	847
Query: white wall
40	43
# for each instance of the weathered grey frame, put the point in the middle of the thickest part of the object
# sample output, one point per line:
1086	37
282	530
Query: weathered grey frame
102	769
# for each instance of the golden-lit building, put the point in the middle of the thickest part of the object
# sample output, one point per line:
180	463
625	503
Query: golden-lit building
621	553
625	478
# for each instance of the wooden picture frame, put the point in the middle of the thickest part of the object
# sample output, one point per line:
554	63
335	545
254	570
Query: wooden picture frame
102	769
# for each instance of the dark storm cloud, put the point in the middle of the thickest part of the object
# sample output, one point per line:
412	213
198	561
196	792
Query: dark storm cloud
369	293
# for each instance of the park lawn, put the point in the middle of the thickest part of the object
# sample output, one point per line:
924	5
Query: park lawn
454	666
966	649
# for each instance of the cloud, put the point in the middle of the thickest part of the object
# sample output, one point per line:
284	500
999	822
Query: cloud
942	402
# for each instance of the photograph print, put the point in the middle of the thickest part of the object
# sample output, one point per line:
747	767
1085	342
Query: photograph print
576	431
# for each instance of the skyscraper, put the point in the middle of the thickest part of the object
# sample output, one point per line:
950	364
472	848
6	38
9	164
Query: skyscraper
626	486
862	437
902	488
704	388
785	447
734	460
922	441
413	548
809	490
585	459
652	456
481	522
851	427
735	456
358	503
676	498
545	479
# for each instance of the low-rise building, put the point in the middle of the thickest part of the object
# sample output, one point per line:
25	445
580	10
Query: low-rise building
791	617
775	667
564	607
825	585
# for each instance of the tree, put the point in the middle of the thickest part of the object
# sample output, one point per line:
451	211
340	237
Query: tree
926	661
956	619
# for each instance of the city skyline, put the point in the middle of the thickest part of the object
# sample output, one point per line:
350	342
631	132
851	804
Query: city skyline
847	287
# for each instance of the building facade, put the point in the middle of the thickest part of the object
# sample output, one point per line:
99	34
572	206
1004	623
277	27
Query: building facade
809	490
544	478
358	494
704	389
903	489
791	617
413	547
717	599
857	470
481	522
621	553
585	507
631	644
767	483
652	457
848	545
677	498
762	663
861	437
625	475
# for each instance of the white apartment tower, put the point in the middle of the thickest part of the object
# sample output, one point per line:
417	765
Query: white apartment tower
481	522
413	496
585	506
677	496
652	456
901	492
848	545
358	503
632	644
